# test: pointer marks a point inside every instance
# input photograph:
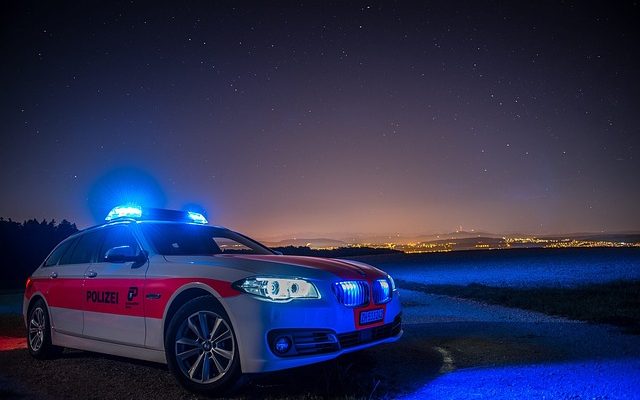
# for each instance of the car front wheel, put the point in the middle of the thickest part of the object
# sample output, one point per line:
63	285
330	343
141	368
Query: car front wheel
201	347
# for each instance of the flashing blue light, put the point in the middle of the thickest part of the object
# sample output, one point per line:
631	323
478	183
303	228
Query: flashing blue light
197	217
136	212
381	291
124	212
352	293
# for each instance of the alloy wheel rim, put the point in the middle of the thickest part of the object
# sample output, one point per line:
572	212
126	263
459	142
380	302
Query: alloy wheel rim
204	347
36	329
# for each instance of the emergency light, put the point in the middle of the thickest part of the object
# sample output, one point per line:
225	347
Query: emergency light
137	212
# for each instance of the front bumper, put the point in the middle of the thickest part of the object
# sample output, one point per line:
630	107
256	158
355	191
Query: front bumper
332	325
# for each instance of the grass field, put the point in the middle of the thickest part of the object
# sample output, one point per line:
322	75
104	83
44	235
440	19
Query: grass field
616	303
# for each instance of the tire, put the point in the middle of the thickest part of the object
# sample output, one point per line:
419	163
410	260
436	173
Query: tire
39	332
205	363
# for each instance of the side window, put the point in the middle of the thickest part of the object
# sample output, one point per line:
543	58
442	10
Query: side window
57	254
87	247
66	258
118	236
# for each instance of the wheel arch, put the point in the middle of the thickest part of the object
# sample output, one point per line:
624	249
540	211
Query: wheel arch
184	294
32	300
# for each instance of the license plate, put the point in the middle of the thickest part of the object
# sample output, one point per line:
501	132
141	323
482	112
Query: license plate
371	316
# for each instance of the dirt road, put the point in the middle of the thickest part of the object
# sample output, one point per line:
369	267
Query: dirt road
452	349
495	352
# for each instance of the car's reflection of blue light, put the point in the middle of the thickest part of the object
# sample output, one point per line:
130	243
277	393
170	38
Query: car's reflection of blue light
593	379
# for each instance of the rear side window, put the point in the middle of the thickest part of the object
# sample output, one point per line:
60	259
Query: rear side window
118	236
86	248
67	254
57	254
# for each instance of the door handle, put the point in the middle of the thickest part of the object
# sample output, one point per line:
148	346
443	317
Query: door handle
92	274
53	275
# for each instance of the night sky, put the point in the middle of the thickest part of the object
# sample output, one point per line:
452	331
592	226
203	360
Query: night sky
296	119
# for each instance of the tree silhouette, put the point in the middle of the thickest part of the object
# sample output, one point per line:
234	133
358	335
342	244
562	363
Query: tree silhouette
23	246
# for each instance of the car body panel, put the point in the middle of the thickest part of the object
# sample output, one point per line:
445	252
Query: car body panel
126	323
122	308
63	295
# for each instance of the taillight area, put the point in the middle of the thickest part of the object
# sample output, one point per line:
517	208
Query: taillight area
28	284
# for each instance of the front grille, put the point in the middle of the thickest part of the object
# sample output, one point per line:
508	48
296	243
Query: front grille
352	293
381	291
356	338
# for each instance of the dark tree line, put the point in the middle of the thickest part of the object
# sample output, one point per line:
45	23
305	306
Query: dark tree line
24	245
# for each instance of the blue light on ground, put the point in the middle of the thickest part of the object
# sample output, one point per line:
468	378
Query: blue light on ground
494	352
598	379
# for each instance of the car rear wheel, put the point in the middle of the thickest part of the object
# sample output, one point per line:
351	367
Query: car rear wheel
39	332
201	347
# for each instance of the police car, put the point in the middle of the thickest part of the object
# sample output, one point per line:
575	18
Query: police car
213	304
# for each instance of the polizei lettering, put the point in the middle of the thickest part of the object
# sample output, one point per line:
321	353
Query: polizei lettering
102	297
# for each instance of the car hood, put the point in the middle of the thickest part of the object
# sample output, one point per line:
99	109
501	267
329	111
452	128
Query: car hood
309	267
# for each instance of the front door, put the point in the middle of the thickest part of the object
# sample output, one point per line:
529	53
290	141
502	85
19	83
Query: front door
113	292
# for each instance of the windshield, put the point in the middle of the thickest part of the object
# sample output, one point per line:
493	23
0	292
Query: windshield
172	239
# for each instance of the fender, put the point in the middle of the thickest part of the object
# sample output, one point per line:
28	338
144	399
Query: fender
157	323
187	286
26	303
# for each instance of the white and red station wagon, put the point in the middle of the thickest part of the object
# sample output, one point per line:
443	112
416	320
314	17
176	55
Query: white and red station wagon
163	286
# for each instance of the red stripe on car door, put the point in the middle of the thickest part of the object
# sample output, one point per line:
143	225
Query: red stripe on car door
119	296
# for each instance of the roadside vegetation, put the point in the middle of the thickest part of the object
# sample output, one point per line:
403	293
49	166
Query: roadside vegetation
23	246
615	303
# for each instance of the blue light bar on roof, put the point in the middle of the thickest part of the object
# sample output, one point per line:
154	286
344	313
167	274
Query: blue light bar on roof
197	217
124	212
159	214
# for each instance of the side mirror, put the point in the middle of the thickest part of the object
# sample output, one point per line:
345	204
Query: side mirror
123	254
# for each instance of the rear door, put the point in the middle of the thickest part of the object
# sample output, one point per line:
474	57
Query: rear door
66	277
113	292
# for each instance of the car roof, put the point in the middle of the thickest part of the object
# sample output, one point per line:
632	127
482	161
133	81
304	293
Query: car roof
126	220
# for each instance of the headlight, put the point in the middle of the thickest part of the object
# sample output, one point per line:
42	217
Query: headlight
278	288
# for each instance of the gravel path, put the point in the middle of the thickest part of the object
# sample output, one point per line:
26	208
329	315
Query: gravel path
452	349
535	356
